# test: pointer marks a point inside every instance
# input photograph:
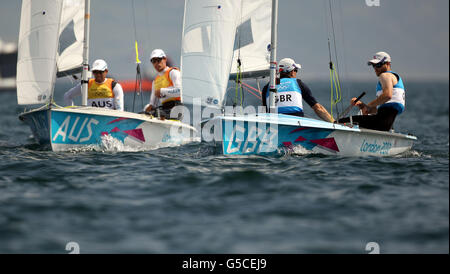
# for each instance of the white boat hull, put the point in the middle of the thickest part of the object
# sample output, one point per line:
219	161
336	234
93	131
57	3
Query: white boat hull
86	127
270	133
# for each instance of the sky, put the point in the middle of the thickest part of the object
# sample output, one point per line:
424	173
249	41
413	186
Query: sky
414	32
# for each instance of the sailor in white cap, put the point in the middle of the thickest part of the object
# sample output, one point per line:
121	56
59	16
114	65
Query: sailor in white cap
102	92
166	88
292	91
380	114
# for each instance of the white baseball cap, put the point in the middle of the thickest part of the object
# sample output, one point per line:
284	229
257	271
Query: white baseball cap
100	65
157	53
379	57
288	65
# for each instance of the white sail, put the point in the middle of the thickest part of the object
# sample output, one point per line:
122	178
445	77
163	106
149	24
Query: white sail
71	29
252	42
37	48
207	49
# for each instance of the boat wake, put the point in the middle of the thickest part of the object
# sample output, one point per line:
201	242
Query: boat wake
413	154
300	150
111	144
295	151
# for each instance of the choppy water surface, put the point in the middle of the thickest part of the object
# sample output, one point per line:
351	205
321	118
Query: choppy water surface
192	199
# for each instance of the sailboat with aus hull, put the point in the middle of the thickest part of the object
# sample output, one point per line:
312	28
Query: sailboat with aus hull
217	25
54	42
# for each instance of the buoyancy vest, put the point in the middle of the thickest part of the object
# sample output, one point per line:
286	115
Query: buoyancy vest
101	95
289	96
398	94
164	81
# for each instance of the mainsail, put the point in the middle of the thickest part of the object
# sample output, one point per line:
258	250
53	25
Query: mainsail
207	49
50	42
252	42
70	52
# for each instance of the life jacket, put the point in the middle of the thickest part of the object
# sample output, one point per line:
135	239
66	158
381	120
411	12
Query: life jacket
101	95
289	96
164	81
398	95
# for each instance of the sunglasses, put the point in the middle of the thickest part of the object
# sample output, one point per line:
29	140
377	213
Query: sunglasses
378	65
156	60
296	70
97	71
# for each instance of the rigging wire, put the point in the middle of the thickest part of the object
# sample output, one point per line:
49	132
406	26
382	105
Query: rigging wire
138	82
147	21
249	89
334	36
238	81
335	86
347	84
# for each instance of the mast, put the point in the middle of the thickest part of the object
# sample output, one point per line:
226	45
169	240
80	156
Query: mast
273	58
84	76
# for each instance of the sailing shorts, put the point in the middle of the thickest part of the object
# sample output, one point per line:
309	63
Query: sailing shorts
383	120
164	110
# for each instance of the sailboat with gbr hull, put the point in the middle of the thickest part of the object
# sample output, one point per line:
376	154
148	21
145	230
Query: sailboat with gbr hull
215	25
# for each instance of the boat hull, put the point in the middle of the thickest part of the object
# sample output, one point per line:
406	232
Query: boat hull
85	127
270	133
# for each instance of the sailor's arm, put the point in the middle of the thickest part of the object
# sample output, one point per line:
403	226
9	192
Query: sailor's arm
118	97
322	113
312	102
72	93
175	76
387	85
152	102
363	107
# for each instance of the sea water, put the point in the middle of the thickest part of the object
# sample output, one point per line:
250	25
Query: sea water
192	199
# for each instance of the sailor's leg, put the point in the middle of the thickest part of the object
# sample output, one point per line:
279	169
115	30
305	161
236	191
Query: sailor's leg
383	120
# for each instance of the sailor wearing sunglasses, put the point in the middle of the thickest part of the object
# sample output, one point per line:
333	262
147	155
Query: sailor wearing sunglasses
390	97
